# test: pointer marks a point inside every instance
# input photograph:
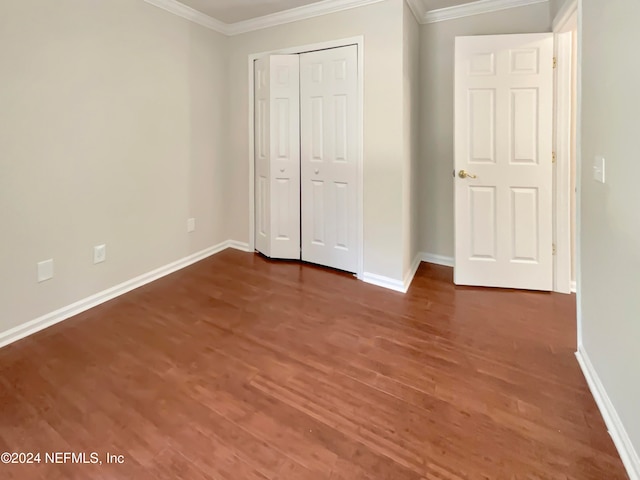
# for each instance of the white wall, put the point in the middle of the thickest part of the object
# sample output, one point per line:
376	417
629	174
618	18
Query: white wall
412	88
436	166
112	122
383	140
609	220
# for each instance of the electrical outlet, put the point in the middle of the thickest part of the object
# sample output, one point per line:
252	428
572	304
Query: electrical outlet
191	225
45	270
99	253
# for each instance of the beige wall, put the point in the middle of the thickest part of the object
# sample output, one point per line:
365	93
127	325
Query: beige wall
412	88
436	167
112	118
383	106
609	221
554	7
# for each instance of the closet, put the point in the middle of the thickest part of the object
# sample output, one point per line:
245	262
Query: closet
306	149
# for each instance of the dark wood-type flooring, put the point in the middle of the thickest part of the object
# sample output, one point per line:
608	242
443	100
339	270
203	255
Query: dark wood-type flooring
240	368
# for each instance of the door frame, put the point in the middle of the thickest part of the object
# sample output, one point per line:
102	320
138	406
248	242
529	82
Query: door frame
563	24
359	41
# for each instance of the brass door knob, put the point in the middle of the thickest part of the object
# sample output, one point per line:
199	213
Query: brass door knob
464	174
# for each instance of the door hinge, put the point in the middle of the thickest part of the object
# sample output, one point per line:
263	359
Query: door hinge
553	157
555	62
553	249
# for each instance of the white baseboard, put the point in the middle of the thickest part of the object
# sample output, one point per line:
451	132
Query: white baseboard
408	278
49	319
573	286
242	246
616	429
392	283
382	281
437	259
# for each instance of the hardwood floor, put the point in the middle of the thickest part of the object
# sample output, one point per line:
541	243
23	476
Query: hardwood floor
242	368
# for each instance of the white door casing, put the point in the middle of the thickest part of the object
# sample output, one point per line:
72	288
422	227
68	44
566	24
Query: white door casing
503	137
329	150
277	156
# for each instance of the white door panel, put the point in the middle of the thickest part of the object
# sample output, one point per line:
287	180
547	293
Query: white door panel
277	156
328	107
503	137
262	157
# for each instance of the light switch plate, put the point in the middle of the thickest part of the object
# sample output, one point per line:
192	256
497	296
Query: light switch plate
191	225
99	253
599	169
45	270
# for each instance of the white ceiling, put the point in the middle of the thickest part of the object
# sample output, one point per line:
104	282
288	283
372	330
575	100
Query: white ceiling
232	11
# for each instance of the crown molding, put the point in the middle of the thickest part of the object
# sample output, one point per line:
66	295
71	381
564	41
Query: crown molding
182	10
326	7
474	8
417	8
295	14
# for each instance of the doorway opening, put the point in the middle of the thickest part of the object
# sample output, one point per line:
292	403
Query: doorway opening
566	166
515	162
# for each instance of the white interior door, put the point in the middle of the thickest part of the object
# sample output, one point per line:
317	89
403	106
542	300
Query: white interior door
329	148
277	156
503	140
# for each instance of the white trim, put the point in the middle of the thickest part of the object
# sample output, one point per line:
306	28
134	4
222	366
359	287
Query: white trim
566	12
563	102
417	8
474	8
437	259
565	20
280	18
359	41
242	246
49	319
615	426
385	282
295	14
408	278
181	10
327	7
578	234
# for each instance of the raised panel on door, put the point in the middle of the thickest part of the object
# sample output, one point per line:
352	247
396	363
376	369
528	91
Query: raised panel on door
328	122
318	230
482	125
524	225
524	136
277	156
482	223
503	120
343	214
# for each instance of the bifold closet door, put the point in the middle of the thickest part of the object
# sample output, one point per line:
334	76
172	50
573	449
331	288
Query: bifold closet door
329	148
277	156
